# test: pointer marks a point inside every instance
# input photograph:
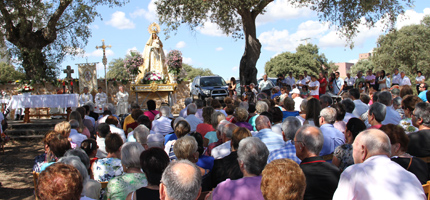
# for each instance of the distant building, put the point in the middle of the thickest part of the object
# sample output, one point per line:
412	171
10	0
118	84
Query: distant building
364	56
344	68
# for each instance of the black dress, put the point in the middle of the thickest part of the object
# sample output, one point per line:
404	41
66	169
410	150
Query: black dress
145	193
415	166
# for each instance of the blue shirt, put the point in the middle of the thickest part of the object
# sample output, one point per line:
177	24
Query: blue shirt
286	114
206	162
169	137
423	95
252	121
272	140
288	151
332	139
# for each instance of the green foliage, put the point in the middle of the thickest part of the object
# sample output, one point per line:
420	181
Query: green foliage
117	70
41	33
363	66
9	73
307	58
193	72
406	49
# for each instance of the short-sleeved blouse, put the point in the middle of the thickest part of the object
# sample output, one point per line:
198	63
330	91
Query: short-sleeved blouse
344	154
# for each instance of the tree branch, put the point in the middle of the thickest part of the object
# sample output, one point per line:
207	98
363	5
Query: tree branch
50	27
6	17
260	7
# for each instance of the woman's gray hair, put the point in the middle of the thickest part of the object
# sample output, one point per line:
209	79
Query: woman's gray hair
241	114
217	117
184	147
290	126
80	153
253	153
130	154
76	162
179	186
164	111
397	101
378	110
261	106
303	105
155	140
312	143
244	104
141	133
192	108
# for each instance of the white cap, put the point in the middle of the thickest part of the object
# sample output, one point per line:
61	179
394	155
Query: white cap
295	91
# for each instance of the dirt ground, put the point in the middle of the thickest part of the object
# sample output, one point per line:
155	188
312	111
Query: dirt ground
16	165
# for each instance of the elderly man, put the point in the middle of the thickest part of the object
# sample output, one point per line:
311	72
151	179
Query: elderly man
332	137
224	149
350	81
391	116
297	99
252	158
85	97
191	117
419	141
272	140
183	112
404	80
349	108
360	107
289	127
181	180
396	77
260	107
377	112
374	175
321	177
266	85
163	124
423	91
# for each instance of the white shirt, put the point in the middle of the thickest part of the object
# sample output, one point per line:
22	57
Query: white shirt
222	150
350	81
193	121
77	137
297	103
119	131
183	112
290	81
405	81
265	85
397	78
162	126
420	78
313	84
360	108
85	98
391	117
303	82
101	151
307	79
378	178
277	128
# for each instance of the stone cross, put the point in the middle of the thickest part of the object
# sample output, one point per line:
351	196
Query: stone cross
69	71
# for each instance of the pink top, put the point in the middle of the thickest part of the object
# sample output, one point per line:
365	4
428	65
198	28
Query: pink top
86	132
151	114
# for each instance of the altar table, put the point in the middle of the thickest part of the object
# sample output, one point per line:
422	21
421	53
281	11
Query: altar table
43	101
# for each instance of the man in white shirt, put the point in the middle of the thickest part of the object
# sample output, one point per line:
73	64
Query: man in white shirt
360	107
297	99
391	116
404	79
314	86
112	121
266	86
290	80
85	97
102	131
224	149
306	77
163	124
183	112
350	81
337	84
191	118
100	100
396	77
374	175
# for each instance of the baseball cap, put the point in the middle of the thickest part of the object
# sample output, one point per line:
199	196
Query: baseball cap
295	91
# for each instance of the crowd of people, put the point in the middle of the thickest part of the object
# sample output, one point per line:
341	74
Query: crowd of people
364	145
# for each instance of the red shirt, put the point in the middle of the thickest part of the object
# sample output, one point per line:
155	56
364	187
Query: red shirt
204	128
322	89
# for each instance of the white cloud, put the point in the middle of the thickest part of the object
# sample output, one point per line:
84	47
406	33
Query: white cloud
130	50
181	45
119	21
235	69
282	9
99	53
100	66
150	14
211	29
187	60
219	49
411	17
353	61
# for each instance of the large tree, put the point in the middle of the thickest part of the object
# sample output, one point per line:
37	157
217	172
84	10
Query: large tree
117	70
9	73
307	58
363	66
407	49
40	33
193	72
237	18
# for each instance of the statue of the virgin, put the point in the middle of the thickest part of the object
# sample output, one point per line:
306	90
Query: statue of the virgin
153	55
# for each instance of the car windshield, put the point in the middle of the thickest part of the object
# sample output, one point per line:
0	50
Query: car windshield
212	81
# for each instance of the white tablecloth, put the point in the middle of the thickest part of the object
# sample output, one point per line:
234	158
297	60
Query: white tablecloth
44	101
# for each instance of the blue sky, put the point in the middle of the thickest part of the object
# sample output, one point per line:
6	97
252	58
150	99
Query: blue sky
282	28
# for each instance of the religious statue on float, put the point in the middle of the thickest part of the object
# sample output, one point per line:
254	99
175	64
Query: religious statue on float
153	56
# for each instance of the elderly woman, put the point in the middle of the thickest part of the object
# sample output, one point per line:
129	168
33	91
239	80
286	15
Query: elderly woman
313	109
408	106
252	158
182	128
186	148
141	134
133	178
64	129
399	144
342	156
211	136
106	168
241	116
260	107
55	147
206	126
153	162
205	162
81	129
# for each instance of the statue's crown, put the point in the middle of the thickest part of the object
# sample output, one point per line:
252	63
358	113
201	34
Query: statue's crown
154	28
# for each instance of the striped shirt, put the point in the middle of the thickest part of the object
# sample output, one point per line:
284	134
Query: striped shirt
288	151
272	140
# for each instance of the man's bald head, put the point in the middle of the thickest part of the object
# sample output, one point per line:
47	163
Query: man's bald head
181	180
262	122
311	137
369	143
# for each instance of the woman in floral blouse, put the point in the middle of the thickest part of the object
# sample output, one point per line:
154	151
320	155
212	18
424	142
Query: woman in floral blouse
408	106
105	169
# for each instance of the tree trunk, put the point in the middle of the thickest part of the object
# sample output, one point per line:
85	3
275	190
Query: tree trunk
34	63
247	70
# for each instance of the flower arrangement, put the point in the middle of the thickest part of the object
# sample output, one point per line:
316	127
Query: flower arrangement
153	76
25	88
174	61
132	62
